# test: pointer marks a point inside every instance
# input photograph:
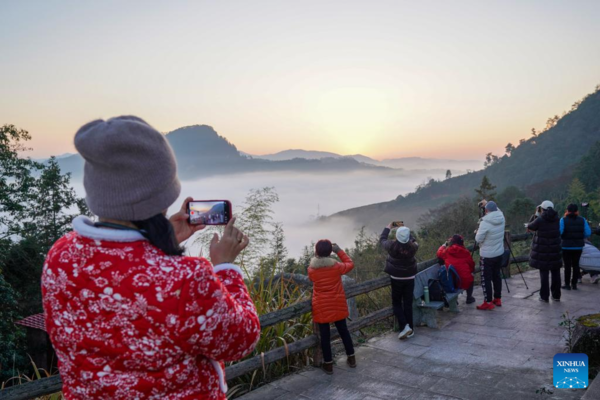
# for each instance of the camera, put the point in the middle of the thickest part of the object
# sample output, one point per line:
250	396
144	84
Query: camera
397	224
481	206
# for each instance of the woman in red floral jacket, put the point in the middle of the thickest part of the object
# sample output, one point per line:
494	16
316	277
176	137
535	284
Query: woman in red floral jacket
128	315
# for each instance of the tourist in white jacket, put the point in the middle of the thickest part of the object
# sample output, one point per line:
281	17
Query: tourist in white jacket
490	237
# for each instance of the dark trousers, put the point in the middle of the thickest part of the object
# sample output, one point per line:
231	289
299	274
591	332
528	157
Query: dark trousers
470	290
326	339
571	261
490	276
547	287
402	299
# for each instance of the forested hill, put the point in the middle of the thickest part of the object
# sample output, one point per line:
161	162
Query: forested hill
552	153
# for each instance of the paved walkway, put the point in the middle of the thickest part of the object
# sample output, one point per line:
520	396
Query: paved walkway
501	354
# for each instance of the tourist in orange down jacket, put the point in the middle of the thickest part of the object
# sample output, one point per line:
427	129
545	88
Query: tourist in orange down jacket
329	299
455	253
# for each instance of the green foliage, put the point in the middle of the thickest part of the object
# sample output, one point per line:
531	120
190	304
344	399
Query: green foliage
441	223
12	339
486	189
508	195
36	209
270	295
518	213
588	170
576	193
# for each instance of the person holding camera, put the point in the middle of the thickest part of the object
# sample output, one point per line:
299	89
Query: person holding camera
490	237
329	299
128	315
454	253
545	253
401	265
573	232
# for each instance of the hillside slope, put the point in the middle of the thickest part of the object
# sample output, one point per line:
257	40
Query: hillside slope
550	154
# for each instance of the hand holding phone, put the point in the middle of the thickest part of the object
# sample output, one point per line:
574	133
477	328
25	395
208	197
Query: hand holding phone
397	224
229	246
181	223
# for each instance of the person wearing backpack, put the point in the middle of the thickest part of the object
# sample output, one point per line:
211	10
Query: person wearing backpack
490	237
573	232
401	265
329	299
454	254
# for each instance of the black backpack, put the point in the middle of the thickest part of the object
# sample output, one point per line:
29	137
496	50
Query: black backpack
436	291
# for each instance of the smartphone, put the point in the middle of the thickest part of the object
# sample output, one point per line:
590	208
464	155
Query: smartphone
397	224
209	212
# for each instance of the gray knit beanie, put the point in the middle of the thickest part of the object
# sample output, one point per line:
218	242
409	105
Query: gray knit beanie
130	171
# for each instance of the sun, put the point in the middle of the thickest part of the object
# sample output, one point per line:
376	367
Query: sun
353	116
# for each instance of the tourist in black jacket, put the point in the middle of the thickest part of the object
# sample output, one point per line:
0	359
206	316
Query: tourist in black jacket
573	231
401	265
546	250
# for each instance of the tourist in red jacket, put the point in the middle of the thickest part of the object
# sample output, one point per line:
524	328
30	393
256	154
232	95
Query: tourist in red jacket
329	299
129	316
454	253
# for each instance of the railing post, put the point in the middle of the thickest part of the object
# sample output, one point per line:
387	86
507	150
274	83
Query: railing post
317	351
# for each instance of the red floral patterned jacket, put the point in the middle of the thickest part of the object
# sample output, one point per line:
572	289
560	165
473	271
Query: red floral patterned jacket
129	322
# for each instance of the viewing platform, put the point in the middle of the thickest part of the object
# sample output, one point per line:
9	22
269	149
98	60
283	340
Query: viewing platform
506	353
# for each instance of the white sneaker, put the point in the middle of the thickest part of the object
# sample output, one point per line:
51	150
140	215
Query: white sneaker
594	279
410	335
405	332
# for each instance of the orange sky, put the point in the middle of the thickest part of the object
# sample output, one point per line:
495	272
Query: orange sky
386	80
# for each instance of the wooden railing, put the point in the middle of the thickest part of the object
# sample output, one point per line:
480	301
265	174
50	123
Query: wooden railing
53	384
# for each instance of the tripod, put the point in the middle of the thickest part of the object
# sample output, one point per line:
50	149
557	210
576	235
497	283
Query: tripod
516	263
475	247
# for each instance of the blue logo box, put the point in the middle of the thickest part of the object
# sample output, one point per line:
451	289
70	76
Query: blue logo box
570	371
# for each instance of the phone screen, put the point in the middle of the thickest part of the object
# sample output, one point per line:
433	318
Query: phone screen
209	212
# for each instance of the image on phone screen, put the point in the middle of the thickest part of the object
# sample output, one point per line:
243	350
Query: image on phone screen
212	212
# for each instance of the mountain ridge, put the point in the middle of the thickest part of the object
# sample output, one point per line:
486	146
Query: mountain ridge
535	160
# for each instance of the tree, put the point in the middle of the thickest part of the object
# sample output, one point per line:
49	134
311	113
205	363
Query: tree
12	340
576	193
508	195
533	132
518	213
490	159
16	179
509	148
48	216
278	250
486	190
448	174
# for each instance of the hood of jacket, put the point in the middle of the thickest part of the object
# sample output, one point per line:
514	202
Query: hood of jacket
322	262
494	218
550	215
458	251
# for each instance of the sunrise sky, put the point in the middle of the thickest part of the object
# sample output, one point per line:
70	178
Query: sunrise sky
444	79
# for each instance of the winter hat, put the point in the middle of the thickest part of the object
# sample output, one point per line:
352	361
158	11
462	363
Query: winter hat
457	239
572	208
546	205
130	171
403	234
491	206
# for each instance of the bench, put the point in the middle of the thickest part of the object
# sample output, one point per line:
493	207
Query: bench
425	313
